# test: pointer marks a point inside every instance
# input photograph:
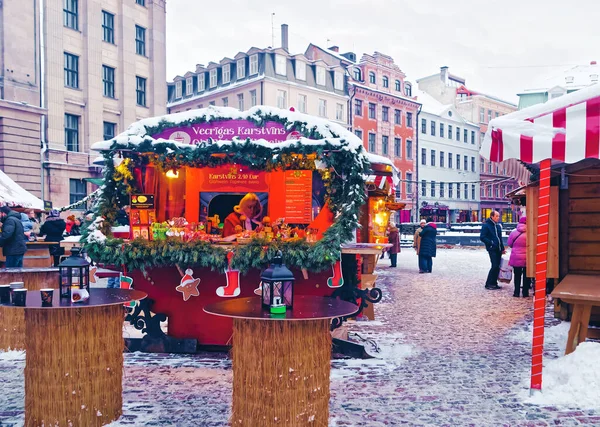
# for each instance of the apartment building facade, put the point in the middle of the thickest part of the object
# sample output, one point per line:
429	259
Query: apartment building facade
448	179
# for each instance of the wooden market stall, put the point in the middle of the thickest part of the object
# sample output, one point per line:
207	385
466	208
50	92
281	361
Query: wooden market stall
214	194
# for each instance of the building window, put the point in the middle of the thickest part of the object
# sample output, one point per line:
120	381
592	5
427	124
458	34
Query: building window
240	98
372	77
358	105
201	82
339	112
253	97
449	131
398	147
358	133
140	40
321	76
408	183
473	191
472	164
77	191
458	161
432	188
213	78
226	73
466	188
385	145
108	130
108	81
280	65
300	70
458	134
71	14
225	101
141	2
433	125
442	158
466	163
240	68
408	89
472	137
409	120
372	111
457	190
397	117
424	126
371	142
450	185
433	154
482	191
481	165
441	130
72	132
423	188
357	74
178	89
338	81
497	114
189	86
489	116
71	71
211	103
497	191
322	108
482	115
490	167
398	86
254	64
450	160
423	156
409	154
302	103
442	185
385	114
108	27
140	90
466	136
386	82
489	191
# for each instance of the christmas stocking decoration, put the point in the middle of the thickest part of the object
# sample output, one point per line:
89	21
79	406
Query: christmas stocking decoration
188	285
337	280
126	282
233	281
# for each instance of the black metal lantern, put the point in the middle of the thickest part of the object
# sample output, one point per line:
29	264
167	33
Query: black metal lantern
74	271
277	284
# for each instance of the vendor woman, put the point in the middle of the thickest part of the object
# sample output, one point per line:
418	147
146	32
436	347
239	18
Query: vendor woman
245	214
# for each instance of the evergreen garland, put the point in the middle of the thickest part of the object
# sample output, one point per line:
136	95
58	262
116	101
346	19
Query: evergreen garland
344	195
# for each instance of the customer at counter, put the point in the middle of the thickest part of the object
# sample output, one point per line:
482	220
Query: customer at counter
53	229
12	238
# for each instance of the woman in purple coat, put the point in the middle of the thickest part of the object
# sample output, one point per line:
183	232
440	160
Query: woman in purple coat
518	257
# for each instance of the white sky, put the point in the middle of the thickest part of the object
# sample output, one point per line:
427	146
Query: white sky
499	46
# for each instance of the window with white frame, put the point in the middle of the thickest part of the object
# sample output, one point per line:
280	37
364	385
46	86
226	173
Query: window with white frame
372	148
482	115
201	82
397	147
226	73
423	188
409	183
254	64
450	187
321	76
281	98
408	89
240	98
178	89
386	81
322	108
339	112
398	86
302	103
372	77
240	68
213	77
338	81
253	97
385	141
300	70
189	86
280	65
442	185
225	101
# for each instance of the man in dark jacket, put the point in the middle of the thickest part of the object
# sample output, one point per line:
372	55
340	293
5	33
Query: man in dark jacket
428	246
491	235
12	238
53	229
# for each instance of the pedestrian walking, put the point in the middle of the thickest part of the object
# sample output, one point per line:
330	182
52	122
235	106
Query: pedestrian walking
428	246
491	236
517	240
53	229
12	238
394	240
417	240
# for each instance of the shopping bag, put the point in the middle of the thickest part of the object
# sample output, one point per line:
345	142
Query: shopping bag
505	275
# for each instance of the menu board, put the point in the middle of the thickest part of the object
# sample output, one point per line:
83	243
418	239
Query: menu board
298	197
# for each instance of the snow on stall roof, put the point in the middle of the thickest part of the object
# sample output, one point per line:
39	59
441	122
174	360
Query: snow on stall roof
12	194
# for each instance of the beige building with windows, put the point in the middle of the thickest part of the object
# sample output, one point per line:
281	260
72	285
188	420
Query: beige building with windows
102	66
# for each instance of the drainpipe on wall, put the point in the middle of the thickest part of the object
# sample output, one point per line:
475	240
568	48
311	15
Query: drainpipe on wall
417	164
43	122
350	111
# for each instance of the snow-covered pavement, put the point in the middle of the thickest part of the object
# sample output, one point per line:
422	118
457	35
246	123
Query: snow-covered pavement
450	354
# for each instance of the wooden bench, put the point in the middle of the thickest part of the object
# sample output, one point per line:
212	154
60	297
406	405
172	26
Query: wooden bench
583	292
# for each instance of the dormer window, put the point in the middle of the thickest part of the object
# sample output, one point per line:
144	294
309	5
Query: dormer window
300	70
253	64
338	81
213	77
372	77
178	86
569	79
189	86
408	89
240	67
226	73
280	65
357	74
201	82
321	76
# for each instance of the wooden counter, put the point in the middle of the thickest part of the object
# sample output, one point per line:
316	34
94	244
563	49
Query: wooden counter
37	255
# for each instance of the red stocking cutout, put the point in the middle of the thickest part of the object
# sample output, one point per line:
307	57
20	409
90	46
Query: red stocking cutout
233	281
337	280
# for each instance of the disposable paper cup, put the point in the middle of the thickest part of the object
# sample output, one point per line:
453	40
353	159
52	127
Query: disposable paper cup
47	295
4	294
19	297
15	285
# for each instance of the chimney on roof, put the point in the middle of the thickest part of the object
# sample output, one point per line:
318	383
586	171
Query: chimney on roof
284	37
335	48
444	74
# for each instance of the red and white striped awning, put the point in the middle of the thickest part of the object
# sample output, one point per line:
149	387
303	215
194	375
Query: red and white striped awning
379	181
566	129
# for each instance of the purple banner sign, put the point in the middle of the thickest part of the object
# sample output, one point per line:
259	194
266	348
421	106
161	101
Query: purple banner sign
226	130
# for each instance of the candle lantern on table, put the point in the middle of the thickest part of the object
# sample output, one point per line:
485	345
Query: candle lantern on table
277	284
74	271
